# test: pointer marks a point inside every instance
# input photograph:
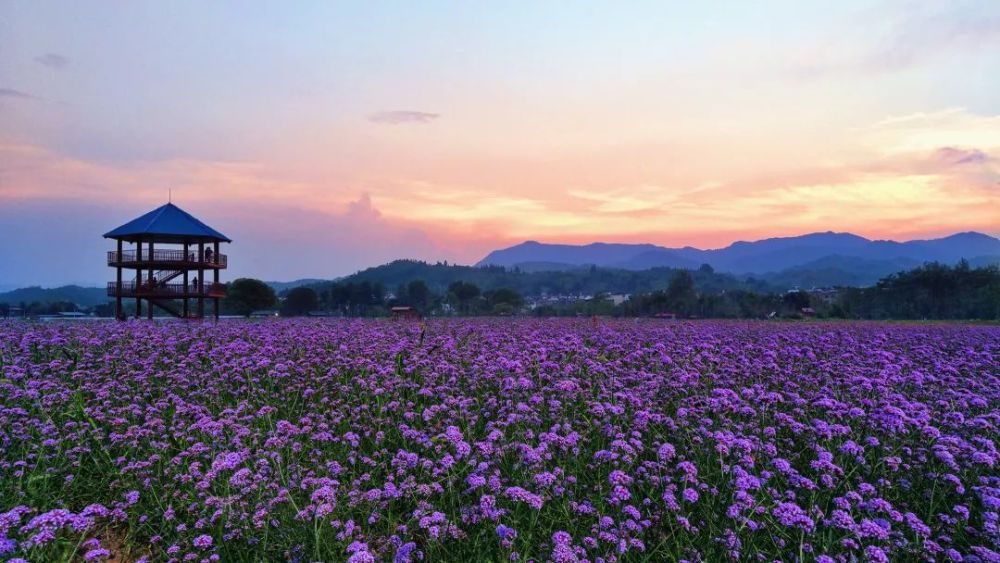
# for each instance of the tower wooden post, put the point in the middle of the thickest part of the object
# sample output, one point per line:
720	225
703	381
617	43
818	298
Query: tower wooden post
215	278
186	287
201	280
119	315
138	279
152	284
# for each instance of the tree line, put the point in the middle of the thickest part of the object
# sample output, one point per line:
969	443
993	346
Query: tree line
932	291
372	299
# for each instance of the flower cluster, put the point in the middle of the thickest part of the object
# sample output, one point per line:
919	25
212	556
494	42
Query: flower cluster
545	440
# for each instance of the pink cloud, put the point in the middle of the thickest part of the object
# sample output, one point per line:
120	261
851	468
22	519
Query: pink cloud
959	156
399	117
278	234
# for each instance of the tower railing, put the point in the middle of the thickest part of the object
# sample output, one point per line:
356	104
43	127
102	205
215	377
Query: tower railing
165	290
165	256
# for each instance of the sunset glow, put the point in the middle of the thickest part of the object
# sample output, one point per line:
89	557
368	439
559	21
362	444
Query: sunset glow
359	134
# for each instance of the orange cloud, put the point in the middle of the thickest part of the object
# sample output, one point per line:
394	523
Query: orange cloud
916	175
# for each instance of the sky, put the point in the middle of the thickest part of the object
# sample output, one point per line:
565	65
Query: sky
325	137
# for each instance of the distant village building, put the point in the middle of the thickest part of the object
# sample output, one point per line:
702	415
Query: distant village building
263	313
67	316
618	298
404	313
164	276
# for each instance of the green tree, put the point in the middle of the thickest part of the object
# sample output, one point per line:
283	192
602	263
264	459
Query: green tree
932	291
681	296
104	310
299	301
340	298
796	300
361	297
600	304
246	295
463	294
504	301
418	294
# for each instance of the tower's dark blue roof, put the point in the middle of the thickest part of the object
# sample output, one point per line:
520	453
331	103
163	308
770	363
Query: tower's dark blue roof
167	223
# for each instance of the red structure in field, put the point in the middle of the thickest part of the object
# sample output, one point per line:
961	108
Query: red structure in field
171	254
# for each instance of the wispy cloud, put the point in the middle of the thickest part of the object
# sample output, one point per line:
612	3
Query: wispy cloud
633	201
912	38
399	117
18	94
40	188
928	131
52	60
954	155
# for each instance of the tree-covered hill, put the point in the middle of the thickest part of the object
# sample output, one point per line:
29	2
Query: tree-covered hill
82	296
580	281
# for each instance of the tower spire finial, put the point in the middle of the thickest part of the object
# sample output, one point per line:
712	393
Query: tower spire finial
170	195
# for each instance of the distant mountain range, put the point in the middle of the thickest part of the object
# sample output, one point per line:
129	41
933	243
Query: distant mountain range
826	258
813	260
83	296
285	286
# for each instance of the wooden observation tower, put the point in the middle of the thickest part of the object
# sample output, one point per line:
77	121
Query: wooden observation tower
171	254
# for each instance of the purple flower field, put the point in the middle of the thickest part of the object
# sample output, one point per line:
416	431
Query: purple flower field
499	440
